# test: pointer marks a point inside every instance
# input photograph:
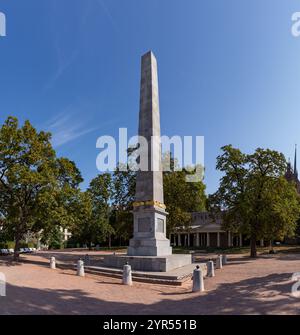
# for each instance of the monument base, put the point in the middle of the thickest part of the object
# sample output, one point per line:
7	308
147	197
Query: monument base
149	247
148	263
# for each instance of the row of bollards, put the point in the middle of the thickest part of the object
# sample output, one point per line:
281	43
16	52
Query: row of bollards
198	276
80	266
198	281
127	274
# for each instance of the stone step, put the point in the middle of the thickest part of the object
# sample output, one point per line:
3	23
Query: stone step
174	277
141	277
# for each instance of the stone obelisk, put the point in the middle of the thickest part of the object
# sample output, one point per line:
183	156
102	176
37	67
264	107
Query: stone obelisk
149	209
149	249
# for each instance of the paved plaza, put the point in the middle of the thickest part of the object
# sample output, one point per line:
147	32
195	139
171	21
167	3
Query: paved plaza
244	286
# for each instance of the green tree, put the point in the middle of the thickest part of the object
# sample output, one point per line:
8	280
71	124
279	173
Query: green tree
53	237
123	186
254	197
93	225
33	181
181	197
282	210
100	190
61	207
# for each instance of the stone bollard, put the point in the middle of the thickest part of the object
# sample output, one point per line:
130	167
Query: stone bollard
80	268
193	256
52	263
198	282
87	260
219	264
210	269
127	276
224	259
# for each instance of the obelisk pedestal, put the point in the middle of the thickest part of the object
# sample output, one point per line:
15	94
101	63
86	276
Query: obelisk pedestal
149	232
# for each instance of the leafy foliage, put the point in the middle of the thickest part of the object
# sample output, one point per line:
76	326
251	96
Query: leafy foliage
93	225
181	197
254	197
36	187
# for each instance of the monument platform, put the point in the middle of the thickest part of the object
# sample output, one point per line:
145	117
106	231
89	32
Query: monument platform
175	277
148	263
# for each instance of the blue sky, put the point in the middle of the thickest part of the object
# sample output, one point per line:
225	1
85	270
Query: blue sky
228	70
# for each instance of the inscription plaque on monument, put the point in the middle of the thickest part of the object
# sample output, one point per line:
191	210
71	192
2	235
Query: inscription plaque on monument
160	225
144	225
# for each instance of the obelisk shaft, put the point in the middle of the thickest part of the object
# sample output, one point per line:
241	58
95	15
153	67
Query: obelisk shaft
149	186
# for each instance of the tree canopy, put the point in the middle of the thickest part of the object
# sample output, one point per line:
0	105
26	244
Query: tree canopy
181	197
40	194
36	186
254	197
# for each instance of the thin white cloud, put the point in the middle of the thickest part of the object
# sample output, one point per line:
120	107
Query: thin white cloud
108	15
68	126
73	123
65	135
62	67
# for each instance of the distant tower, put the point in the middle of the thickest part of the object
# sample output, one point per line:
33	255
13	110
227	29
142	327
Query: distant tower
295	163
289	171
291	175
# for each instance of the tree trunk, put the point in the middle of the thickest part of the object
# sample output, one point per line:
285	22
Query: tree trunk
271	246
16	250
253	252
109	241
19	233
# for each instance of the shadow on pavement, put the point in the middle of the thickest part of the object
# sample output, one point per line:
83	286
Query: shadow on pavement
259	295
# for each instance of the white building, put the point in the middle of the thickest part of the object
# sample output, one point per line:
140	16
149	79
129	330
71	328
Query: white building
205	231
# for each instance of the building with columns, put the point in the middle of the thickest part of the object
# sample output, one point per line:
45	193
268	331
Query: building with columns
206	231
